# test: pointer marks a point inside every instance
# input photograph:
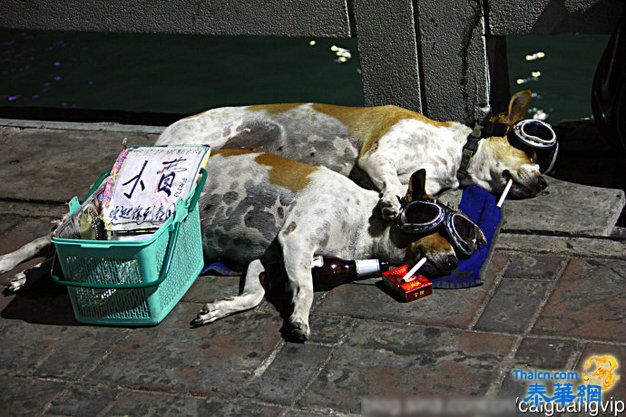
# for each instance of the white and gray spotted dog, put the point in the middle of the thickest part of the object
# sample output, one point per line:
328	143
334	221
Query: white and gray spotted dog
257	208
388	143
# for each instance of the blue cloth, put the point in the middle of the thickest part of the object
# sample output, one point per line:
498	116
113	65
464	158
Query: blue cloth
218	267
480	206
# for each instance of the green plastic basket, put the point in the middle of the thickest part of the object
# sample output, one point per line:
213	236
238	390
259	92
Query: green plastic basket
133	283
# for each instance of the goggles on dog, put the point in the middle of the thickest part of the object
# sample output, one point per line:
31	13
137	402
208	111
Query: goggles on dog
536	136
423	216
529	135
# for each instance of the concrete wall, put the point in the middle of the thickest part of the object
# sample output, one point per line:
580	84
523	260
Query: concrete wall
323	18
454	63
428	55
389	49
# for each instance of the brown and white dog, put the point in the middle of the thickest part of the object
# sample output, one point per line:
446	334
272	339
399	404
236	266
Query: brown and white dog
388	143
258	207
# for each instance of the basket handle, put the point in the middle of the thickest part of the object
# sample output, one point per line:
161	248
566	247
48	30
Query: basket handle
96	184
199	187
181	210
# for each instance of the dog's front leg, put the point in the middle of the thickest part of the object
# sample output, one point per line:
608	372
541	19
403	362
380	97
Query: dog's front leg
383	172
298	257
251	296
299	274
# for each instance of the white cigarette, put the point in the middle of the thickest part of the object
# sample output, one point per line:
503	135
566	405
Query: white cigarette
413	270
504	193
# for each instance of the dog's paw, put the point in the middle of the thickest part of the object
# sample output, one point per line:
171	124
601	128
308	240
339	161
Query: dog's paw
209	313
6	264
389	206
17	282
298	331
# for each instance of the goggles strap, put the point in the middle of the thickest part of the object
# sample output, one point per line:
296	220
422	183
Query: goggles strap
471	146
469	149
494	129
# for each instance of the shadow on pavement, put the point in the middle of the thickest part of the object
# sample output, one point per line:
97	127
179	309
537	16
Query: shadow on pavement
42	302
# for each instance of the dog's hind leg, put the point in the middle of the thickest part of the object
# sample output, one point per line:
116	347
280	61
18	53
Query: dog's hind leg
20	280
251	296
26	252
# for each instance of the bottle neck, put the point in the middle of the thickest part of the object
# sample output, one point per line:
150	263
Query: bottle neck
385	266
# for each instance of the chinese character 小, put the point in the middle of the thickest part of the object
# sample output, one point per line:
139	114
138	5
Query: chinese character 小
137	180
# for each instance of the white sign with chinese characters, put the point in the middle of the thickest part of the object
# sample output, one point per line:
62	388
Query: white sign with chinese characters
149	182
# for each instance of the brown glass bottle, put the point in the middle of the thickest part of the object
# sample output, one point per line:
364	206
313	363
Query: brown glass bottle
328	272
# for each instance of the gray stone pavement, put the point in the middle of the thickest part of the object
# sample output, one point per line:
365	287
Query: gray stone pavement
547	303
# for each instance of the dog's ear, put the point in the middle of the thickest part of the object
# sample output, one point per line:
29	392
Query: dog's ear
518	106
417	186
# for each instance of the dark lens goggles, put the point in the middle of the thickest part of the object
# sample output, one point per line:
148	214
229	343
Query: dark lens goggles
423	216
536	136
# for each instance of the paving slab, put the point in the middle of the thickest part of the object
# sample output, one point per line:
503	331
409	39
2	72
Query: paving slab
55	165
289	373
444	307
42	302
513	306
329	329
540	267
136	403
133	403
96	126
571	246
235	408
305	413
393	360
589	302
79	400
538	354
172	357
9	221
47	350
547	353
208	288
23	231
26	396
566	207
12	208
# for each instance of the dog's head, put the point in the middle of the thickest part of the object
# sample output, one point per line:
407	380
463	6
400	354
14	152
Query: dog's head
511	162
442	258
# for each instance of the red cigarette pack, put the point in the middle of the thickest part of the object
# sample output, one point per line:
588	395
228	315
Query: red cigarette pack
417	287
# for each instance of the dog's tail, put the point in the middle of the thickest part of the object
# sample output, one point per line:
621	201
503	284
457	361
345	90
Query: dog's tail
26	252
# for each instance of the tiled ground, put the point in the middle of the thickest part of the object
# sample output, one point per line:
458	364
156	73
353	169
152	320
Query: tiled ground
547	310
534	311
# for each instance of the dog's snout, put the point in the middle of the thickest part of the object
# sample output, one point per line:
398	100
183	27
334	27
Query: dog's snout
452	262
542	184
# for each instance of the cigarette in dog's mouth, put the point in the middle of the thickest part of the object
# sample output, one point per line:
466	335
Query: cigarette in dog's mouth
505	192
413	270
